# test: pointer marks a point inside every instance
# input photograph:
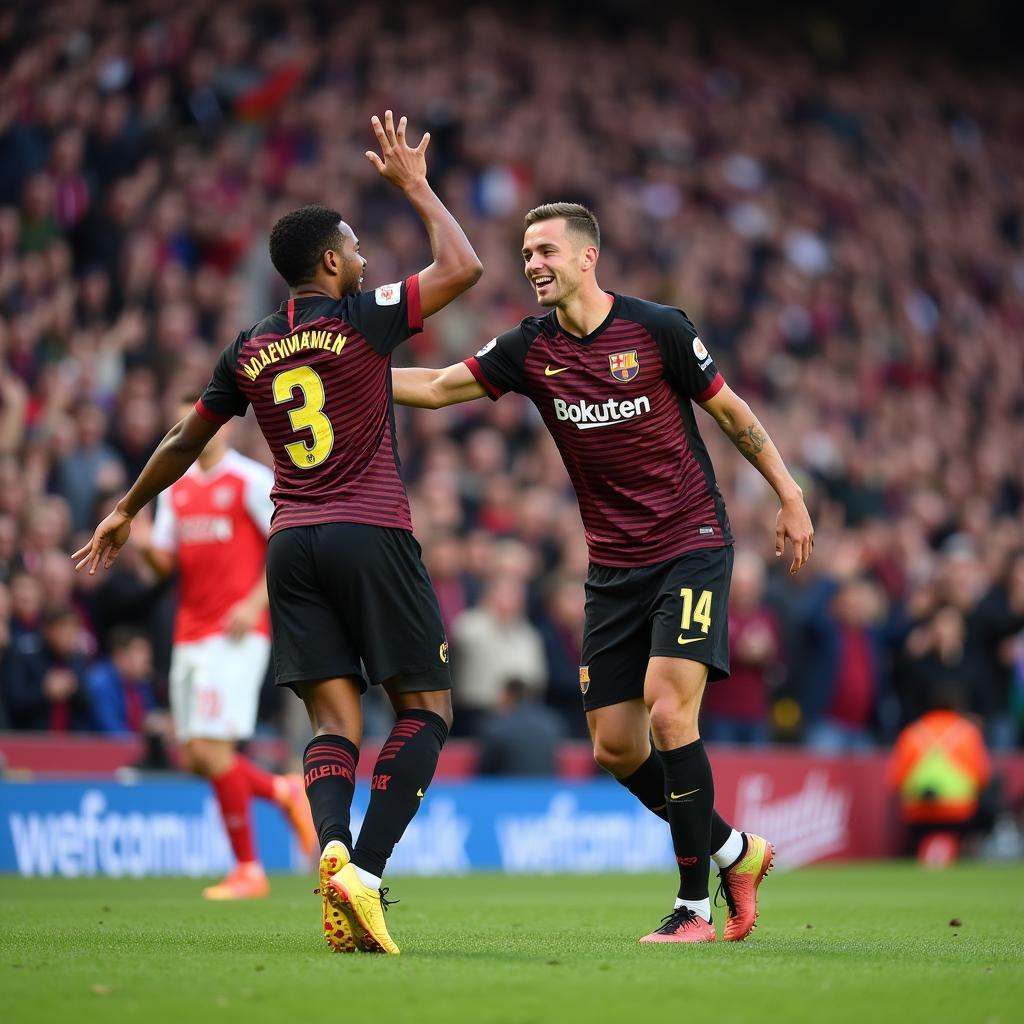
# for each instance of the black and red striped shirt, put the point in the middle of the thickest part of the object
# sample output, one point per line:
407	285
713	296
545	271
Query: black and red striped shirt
619	405
318	375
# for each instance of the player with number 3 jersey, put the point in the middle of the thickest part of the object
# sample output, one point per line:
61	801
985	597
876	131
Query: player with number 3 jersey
347	587
615	379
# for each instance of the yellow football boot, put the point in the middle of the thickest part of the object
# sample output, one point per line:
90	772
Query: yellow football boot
337	930
364	908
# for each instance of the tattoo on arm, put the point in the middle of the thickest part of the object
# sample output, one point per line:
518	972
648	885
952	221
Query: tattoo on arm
751	441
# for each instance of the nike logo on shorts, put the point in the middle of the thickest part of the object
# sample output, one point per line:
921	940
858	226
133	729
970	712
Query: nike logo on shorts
690	639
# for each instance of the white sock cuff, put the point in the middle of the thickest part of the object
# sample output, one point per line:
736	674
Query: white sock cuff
702	908
370	881
731	850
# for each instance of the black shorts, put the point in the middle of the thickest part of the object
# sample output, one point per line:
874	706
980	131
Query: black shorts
344	596
676	609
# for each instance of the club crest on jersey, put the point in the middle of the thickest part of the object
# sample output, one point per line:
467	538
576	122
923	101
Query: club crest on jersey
584	678
624	366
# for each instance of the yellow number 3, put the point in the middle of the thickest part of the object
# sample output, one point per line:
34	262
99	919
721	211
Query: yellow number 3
308	416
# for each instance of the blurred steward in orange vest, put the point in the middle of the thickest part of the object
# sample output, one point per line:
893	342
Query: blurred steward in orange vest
939	767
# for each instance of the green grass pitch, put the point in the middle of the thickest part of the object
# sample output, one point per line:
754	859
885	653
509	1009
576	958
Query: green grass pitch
863	944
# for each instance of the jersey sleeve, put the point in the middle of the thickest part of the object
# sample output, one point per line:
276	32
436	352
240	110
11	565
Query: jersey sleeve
689	367
222	398
498	366
388	315
164	536
258	482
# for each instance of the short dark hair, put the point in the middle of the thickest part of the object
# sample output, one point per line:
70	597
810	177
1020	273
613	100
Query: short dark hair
300	238
124	635
578	219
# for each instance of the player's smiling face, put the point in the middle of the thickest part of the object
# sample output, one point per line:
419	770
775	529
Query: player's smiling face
553	260
351	262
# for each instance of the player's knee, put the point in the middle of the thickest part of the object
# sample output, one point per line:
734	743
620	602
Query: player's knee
440	703
618	760
674	721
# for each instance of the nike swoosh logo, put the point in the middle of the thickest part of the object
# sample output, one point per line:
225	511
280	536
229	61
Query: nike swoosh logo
679	796
690	639
548	372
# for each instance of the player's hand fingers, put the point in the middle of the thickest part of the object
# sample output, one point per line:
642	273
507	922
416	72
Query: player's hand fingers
112	552
389	127
808	548
375	160
86	554
400	133
424	142
378	130
780	539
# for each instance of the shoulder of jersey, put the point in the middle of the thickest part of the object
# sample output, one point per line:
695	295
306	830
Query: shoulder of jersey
644	310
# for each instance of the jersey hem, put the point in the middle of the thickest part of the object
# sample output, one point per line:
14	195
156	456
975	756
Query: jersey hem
719	543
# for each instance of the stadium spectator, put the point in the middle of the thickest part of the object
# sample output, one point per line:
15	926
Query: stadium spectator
43	676
493	643
120	686
735	710
521	737
842	629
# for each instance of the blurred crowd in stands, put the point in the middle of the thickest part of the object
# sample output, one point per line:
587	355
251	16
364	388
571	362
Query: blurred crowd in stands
844	225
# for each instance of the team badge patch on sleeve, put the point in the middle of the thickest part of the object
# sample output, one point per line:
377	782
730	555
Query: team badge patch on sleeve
699	350
624	366
487	348
388	294
584	678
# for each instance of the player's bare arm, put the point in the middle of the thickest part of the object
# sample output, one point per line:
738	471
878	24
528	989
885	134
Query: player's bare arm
456	266
423	388
741	426
180	447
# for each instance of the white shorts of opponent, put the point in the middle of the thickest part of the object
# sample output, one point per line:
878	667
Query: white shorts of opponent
215	686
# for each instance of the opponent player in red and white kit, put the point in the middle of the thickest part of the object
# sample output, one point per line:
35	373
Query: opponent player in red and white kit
212	527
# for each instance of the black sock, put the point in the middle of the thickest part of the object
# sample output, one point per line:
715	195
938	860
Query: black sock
647	784
329	770
690	794
400	778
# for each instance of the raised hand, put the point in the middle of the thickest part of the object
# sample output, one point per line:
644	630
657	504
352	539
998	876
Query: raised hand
398	162
106	543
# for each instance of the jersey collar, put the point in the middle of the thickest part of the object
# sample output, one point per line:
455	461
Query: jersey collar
597	331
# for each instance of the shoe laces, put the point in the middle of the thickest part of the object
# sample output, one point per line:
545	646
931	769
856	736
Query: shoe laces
725	892
677	918
385	903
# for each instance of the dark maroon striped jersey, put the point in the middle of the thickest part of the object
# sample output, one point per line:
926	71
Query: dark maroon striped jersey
318	376
618	404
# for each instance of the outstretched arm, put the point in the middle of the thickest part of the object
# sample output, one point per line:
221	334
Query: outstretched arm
176	452
455	267
434	389
740	425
